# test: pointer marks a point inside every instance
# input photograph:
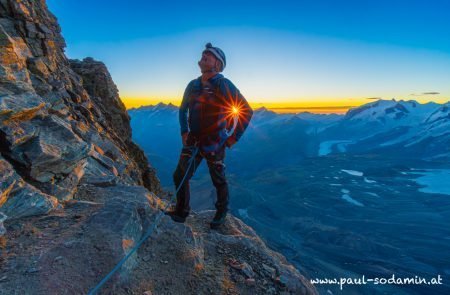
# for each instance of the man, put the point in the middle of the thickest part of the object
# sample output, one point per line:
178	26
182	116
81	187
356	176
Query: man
207	112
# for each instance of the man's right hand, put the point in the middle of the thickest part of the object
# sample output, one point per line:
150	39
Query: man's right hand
184	137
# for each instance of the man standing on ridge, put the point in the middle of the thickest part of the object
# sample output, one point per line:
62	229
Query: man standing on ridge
210	105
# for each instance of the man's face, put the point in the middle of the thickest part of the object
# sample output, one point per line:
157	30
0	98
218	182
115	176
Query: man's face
208	62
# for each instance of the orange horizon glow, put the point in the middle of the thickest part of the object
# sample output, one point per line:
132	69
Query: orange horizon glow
277	107
317	106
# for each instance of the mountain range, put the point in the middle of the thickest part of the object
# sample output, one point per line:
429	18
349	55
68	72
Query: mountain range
364	193
390	127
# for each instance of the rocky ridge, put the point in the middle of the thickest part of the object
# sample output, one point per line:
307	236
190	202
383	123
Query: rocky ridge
76	194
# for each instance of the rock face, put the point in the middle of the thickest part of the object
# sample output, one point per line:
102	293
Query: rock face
77	194
60	125
104	94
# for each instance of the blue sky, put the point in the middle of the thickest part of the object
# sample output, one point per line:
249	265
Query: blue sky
296	52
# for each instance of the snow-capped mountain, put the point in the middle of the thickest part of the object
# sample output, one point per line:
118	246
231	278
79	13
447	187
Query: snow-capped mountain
380	116
392	112
405	128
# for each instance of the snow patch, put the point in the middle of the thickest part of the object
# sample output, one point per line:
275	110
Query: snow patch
373	194
353	172
368	180
351	200
325	147
436	181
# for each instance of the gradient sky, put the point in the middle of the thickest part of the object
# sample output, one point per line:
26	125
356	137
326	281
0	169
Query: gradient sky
279	53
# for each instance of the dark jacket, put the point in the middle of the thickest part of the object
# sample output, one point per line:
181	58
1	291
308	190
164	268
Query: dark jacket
205	111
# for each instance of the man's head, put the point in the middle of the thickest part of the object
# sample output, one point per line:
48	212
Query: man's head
213	59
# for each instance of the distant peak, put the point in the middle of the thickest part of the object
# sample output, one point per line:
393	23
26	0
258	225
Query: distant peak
159	106
162	105
262	109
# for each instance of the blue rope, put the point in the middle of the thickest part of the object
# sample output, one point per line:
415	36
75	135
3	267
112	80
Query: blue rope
147	235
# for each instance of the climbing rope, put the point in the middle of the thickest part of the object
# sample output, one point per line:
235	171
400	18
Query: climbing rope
149	232
157	219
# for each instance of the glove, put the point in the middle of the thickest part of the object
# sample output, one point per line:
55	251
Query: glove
230	141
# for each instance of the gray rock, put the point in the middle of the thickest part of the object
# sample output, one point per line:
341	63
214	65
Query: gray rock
33	270
18	198
247	270
3	217
269	270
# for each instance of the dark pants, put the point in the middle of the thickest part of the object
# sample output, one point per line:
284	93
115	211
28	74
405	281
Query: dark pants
216	168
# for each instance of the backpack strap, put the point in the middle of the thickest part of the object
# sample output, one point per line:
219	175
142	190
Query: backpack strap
196	87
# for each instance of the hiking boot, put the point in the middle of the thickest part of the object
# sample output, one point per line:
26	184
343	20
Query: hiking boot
176	215
219	219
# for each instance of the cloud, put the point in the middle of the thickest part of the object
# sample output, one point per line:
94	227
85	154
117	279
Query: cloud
373	97
426	93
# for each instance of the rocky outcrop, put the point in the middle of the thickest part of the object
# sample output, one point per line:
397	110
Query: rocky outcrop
59	128
75	247
104	94
77	194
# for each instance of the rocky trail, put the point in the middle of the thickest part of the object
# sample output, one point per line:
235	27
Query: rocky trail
68	252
